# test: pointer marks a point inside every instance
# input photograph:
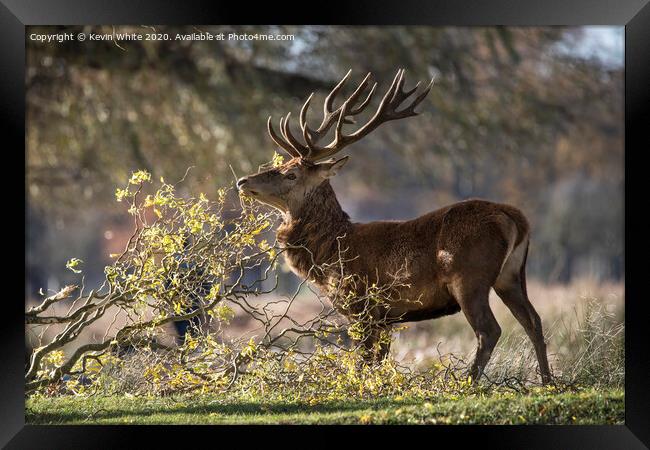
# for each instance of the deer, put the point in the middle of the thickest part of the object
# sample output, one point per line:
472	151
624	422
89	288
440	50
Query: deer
454	255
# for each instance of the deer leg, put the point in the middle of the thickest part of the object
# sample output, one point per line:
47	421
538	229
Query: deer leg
510	286
376	344
517	301
474	304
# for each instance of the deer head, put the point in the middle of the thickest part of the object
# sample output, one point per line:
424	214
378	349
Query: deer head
285	187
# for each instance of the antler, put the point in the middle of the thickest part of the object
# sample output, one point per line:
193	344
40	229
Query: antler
386	111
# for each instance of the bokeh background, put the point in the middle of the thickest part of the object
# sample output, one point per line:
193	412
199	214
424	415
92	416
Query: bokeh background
527	116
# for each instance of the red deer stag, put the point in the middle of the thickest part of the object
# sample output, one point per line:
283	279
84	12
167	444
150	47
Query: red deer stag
454	255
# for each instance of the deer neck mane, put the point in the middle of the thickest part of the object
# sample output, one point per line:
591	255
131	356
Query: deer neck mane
314	226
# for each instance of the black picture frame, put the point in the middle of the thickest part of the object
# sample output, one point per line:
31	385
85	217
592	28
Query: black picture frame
633	14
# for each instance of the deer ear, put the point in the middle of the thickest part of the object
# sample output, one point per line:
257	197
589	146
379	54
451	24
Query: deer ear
331	167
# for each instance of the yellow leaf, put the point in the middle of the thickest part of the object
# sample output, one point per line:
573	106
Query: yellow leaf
277	160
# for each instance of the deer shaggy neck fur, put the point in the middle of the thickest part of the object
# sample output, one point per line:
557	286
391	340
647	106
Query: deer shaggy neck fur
310	233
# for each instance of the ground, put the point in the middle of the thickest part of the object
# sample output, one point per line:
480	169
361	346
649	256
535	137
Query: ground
586	407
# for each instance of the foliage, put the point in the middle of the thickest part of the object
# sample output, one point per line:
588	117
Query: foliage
183	260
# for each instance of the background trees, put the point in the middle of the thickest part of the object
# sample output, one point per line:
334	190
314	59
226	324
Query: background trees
517	115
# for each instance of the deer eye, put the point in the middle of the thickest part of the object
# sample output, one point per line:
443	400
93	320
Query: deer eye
291	176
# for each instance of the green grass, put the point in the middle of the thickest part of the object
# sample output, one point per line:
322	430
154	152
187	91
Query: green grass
587	407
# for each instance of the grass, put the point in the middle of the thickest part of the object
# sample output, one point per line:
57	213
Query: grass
566	312
586	407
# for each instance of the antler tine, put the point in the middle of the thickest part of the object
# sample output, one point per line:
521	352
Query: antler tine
383	105
286	131
352	99
398	83
424	93
307	138
410	91
410	109
338	134
329	100
366	102
278	140
303	113
283	134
